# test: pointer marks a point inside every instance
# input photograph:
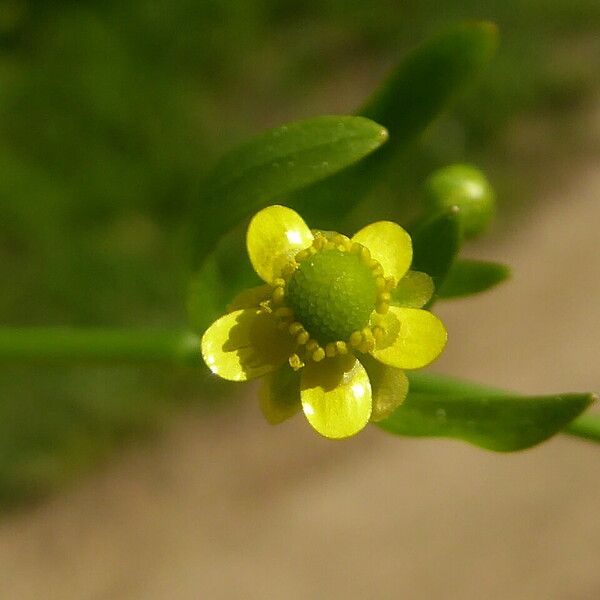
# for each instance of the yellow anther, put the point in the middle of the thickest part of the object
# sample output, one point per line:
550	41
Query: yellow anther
365	255
367	334
302	338
382	308
385	297
356	338
288	269
341	347
331	349
367	345
377	270
390	283
266	306
312	345
377	320
295	362
355	248
295	328
278	295
378	333
319	242
303	255
318	355
279	282
380	283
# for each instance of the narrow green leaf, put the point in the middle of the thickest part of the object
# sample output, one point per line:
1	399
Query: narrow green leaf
467	277
501	423
275	163
436	243
414	94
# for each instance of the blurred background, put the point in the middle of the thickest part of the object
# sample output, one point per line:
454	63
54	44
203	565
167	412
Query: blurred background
129	482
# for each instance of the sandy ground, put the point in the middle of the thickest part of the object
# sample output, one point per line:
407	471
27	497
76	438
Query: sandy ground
227	507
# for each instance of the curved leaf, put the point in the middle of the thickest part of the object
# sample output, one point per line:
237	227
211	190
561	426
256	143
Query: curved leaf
467	277
275	163
501	423
414	94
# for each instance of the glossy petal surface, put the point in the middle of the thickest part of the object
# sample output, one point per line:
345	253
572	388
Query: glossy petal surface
336	396
414	338
389	244
414	290
245	344
275	235
280	395
250	297
389	387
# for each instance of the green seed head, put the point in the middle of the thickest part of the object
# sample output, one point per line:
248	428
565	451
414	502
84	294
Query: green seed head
332	294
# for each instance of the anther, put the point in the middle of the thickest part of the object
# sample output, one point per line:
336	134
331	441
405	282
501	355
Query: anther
278	295
341	347
318	355
303	255
356	339
312	345
295	362
331	349
382	308
302	338
295	328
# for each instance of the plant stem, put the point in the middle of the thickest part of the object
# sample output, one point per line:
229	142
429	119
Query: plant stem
61	345
68	345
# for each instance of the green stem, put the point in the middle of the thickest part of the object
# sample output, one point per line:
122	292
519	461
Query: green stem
58	345
68	345
585	426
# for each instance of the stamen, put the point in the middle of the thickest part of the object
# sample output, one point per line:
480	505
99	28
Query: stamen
318	354
278	295
302	338
341	347
295	362
331	349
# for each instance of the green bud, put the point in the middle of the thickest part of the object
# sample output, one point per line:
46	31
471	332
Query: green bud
467	188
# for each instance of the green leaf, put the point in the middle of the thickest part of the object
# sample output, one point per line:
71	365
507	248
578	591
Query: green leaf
436	242
501	423
467	277
275	163
414	94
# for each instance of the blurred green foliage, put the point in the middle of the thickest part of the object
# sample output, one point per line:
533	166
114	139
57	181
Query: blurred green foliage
112	112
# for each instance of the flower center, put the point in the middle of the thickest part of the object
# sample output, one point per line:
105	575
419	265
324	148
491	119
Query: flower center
332	294
327	296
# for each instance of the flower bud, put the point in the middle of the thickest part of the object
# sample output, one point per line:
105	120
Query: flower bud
467	188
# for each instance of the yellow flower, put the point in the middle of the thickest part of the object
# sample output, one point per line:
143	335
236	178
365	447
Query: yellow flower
333	327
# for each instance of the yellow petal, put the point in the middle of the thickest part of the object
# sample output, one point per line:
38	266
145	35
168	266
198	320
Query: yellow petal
336	396
275	235
389	387
245	344
250	297
413	339
414	290
280	395
389	245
